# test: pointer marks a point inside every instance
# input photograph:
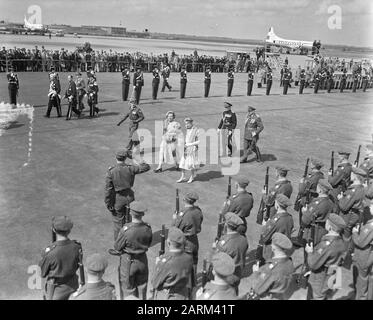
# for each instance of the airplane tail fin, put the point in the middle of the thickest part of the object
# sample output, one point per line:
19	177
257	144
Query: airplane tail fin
271	34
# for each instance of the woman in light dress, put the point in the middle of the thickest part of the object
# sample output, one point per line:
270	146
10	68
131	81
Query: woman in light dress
190	161
172	145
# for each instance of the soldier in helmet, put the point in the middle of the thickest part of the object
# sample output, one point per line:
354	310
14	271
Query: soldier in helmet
138	83
13	86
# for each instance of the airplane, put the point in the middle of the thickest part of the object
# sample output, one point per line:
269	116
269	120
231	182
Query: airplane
33	26
273	39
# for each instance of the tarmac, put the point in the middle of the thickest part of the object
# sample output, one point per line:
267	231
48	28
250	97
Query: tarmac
65	174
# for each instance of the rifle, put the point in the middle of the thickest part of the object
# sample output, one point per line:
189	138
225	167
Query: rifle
356	163
163	240
177	210
220	229
332	163
81	268
260	215
53	232
204	273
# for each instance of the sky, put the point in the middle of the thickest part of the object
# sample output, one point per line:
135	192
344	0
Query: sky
244	19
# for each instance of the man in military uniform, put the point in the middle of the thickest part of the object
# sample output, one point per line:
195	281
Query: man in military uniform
316	212
302	78
234	244
80	87
166	75
351	201
174	269
282	186
281	222
356	80
207	81
230	81
286	81
343	81
155	83
126	80
70	95
138	83
219	288
118	188
227	123
340	179
240	203
136	116
60	261
316	80
95	288
273	280
269	77
13	86
253	126
183	82
324	259
190	222
133	241
365	81
53	94
329	80
250	82
367	164
92	93
362	238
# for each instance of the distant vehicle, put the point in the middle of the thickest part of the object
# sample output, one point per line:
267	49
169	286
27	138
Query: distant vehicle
33	26
76	35
60	33
274	40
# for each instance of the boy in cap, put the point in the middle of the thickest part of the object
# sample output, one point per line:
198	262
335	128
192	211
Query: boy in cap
95	288
253	126
230	80
341	177
240	203
133	241
118	187
219	288
207	81
60	261
272	280
13	86
183	82
174	269
281	222
362	238
138	83
234	244
282	186
325	258
189	221
227	123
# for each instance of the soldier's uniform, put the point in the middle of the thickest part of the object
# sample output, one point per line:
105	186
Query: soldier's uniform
230	81
183	82
281	222
53	94
155	83
126	80
272	281
138	83
341	177
101	290
13	86
92	93
363	261
224	266
250	82
281	186
330	81
118	188
365	82
71	94
355	82
302	78
190	222
343	81
241	204
286	81
367	164
81	90
133	241
59	264
351	204
316	80
207	81
234	244
324	261
136	116
173	271
228	123
166	75
269	77
253	127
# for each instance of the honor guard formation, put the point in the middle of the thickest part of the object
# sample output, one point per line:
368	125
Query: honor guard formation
334	205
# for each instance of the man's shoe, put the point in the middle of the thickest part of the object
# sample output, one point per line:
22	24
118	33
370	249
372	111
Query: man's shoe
46	116
158	170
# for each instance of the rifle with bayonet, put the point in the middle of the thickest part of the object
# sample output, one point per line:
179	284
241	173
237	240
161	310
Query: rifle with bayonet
53	232
177	210
81	268
332	164
262	207
204	274
356	163
220	228
163	240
